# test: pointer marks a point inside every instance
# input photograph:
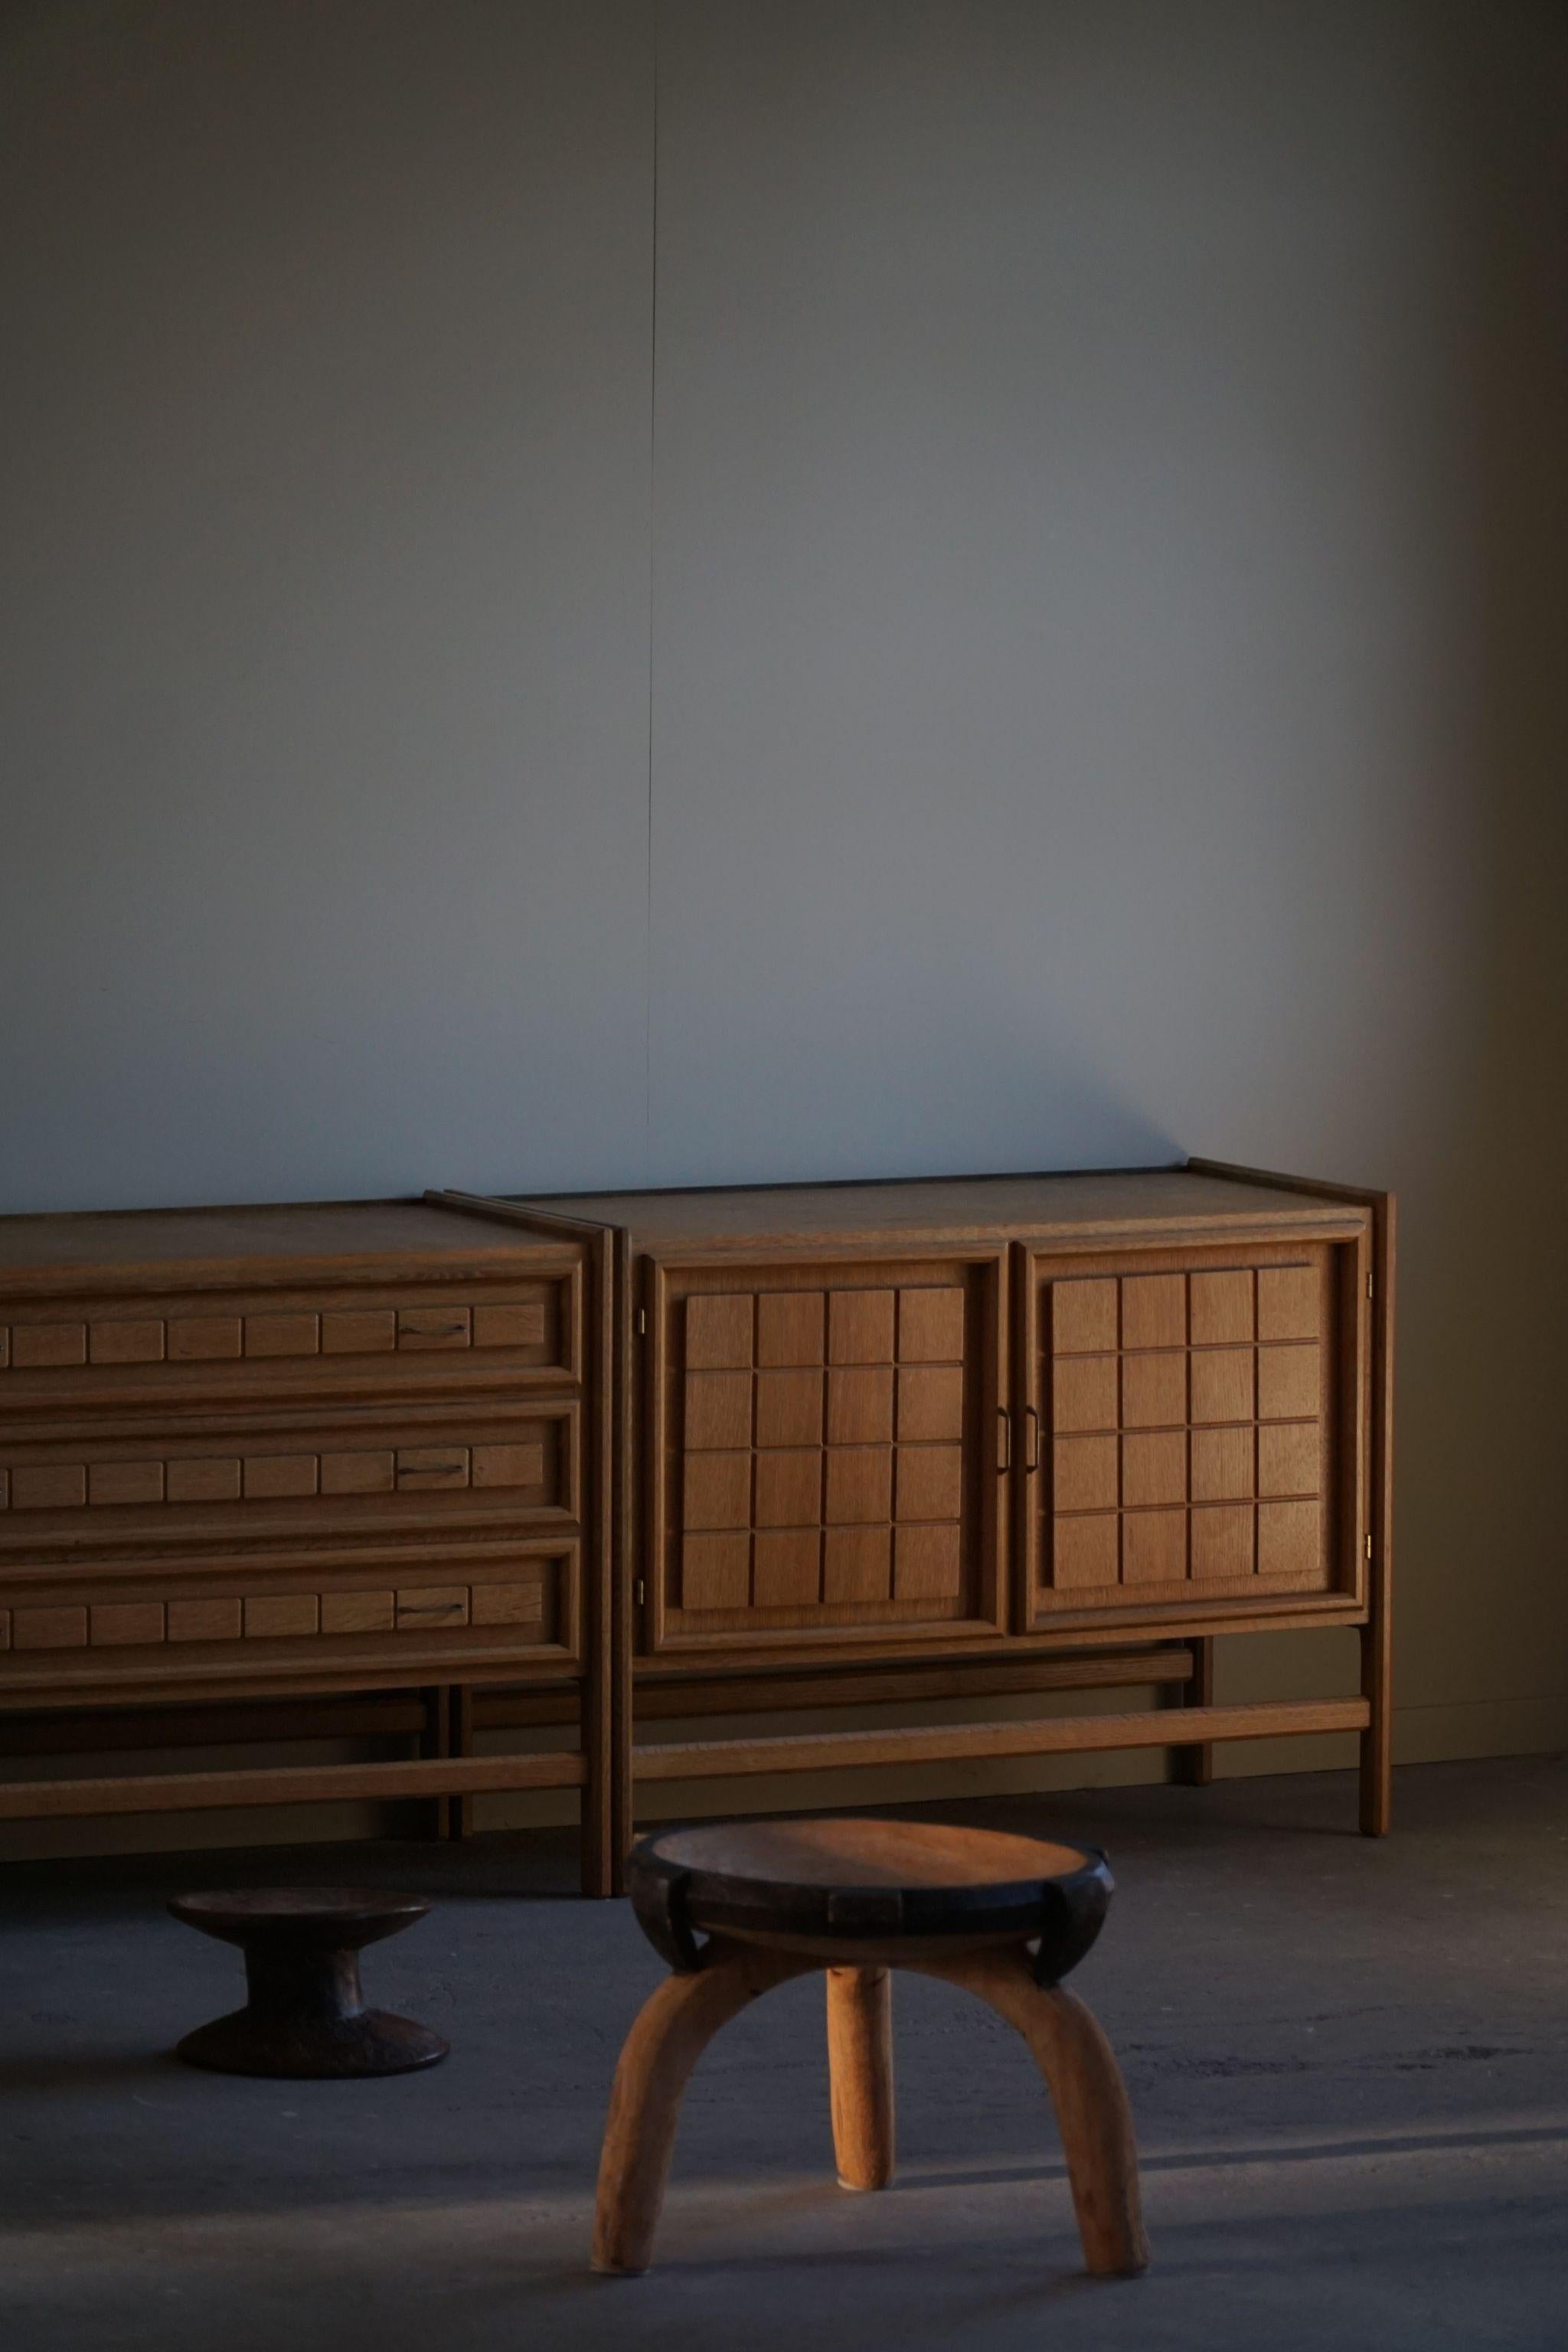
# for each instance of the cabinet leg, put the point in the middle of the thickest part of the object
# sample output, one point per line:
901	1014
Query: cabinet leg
860	2070
448	1732
432	1747
1377	1740
460	1742
1193	1766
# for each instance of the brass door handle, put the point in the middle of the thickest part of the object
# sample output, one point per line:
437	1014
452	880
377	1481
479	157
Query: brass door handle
1032	1457
1005	1447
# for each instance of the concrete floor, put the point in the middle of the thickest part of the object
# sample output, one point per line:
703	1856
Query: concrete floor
1347	2062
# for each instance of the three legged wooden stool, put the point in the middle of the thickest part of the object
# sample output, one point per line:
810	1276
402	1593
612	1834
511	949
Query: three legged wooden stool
777	1899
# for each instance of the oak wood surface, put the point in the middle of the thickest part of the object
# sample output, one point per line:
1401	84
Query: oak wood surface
681	2017
818	1448
861	2075
1377	1665
836	1854
728	1570
673	2027
305	1449
1087	2091
1122	1201
392	1714
56	1249
295	1450
1070	1736
291	1784
605	1823
1193	1766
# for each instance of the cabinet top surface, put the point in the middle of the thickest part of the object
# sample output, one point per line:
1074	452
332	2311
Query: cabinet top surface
34	1248
1121	1201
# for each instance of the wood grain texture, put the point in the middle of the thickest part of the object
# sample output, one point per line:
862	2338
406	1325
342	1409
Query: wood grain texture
606	1689
1123	1201
1183	1429
816	1449
141	1249
1193	1765
681	2017
290	1784
1376	1639
672	2030
824	1450
861	2075
283	1449
1068	1735
1087	2091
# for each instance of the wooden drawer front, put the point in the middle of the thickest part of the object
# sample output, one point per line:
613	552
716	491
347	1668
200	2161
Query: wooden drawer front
1194	1432
515	1601
381	1336
177	1488
824	1449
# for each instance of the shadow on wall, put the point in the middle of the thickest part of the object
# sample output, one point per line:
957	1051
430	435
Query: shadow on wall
1481	1364
1017	1101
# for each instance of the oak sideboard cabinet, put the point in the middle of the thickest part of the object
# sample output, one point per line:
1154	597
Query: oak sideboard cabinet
250	1455
924	1440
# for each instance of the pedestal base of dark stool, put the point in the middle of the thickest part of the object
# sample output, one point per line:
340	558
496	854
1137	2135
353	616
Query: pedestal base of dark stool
373	2042
306	2018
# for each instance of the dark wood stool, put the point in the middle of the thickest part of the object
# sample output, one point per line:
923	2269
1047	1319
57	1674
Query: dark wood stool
1005	1917
306	2015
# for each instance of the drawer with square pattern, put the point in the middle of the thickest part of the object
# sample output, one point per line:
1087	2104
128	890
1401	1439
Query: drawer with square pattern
499	1604
383	1337
253	1481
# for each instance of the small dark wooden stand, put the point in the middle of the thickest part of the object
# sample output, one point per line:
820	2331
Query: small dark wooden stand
1005	1917
306	2016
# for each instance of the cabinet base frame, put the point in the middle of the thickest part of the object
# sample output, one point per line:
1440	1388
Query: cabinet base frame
445	1778
686	1760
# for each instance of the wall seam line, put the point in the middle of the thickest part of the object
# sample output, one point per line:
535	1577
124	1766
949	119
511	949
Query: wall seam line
652	515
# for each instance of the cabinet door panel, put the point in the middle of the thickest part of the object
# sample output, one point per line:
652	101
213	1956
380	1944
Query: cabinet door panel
823	1452
1208	1419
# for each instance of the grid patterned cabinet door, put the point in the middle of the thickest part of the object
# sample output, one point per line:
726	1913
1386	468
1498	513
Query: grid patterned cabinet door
1200	1431
824	1452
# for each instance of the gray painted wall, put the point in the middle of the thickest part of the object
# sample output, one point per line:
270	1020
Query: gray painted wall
1035	641
323	713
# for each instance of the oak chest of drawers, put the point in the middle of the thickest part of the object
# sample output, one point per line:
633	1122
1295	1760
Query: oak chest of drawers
663	1455
302	1450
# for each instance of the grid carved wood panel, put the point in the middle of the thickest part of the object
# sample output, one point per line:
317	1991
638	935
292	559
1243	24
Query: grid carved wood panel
822	1462
1187	1434
274	1475
359	1476
96	1629
57	1344
325	1339
518	1605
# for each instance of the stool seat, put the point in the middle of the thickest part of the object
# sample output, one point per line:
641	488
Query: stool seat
1000	1917
343	1917
798	1885
305	2015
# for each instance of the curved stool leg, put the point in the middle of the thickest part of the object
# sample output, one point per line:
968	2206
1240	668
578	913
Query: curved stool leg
860	2071
1088	2093
673	2027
